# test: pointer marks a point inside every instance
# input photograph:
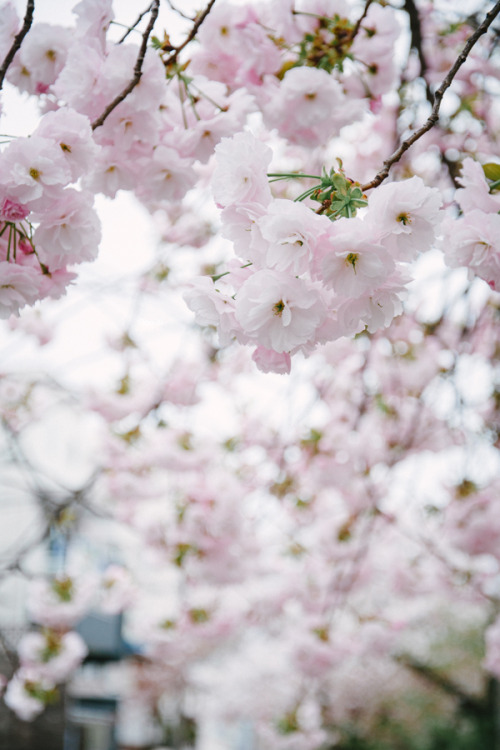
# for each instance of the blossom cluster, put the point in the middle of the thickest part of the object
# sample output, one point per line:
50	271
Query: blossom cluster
301	279
473	238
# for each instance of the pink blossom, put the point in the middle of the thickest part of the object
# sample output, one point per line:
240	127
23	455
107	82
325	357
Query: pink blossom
60	602
94	18
69	232
9	26
213	305
166	177
73	134
240	175
353	264
23	691
12	211
40	59
267	360
19	286
279	312
78	84
291	231
309	106
51	656
475	193
32	168
403	217
474	241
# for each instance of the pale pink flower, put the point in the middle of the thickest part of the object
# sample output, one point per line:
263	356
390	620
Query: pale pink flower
32	167
111	172
71	131
20	694
94	18
474	241
290	231
117	589
9	26
308	107
240	175
12	211
55	283
51	656
19	286
374	47
60	602
236	47
213	306
79	83
354	265
279	312
403	217
69	232
267	360
240	224
475	193
166	177
41	58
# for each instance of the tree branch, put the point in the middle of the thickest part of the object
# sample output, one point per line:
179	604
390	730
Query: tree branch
155	6
360	21
416	34
191	35
468	702
136	23
438	96
18	40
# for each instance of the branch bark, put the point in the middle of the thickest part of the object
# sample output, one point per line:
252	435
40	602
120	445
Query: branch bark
438	96
155	7
18	40
136	23
191	35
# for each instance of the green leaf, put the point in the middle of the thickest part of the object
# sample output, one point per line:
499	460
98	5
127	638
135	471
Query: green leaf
492	171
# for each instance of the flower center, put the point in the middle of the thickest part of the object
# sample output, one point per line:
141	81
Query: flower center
278	308
352	259
404	218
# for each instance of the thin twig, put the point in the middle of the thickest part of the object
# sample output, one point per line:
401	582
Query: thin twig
438	96
136	23
155	6
191	35
18	40
360	20
176	10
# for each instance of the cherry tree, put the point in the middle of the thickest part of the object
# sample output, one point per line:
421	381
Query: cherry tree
298	462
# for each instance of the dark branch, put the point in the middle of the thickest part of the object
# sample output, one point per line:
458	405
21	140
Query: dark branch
191	35
136	23
468	702
416	34
438	96
360	20
137	70
176	10
18	40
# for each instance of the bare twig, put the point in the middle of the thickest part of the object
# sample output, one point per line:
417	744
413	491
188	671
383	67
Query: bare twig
360	21
18	40
136	23
176	10
155	6
191	35
438	96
